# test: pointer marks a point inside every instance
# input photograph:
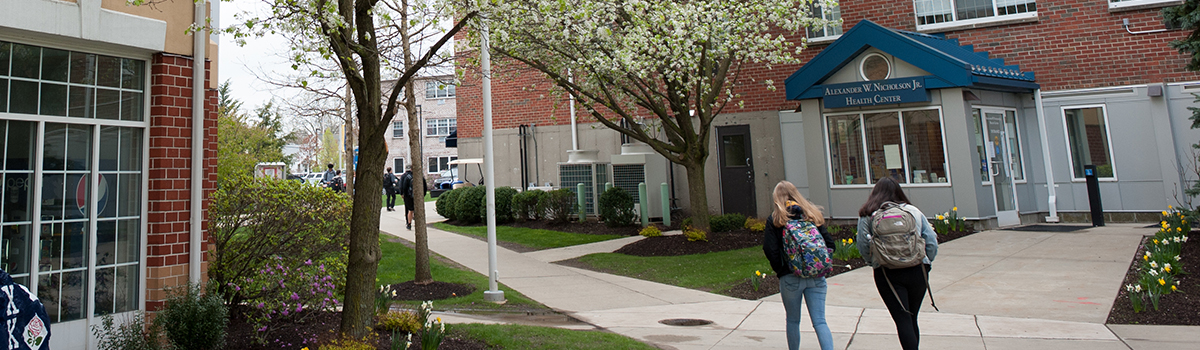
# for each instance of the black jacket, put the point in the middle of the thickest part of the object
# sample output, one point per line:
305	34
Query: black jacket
773	242
391	184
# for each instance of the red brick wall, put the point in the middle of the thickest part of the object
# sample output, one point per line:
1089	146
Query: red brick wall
1074	44
170	173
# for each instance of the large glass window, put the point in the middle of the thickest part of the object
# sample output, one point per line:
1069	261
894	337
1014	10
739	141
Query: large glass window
832	14
1087	137
1013	135
931	13
905	145
397	129
437	89
71	193
438	164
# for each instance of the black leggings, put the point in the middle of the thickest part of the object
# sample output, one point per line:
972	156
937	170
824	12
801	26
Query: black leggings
391	200
910	285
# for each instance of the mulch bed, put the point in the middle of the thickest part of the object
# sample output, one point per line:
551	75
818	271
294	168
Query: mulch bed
738	239
433	291
319	328
1181	308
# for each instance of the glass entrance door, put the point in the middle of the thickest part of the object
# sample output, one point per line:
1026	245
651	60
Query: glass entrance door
1000	165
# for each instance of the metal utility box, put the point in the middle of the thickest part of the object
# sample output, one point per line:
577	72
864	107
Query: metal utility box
592	175
637	164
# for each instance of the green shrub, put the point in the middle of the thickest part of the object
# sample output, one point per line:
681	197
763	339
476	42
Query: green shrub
694	234
134	334
727	222
756	225
402	321
194	320
447	202
650	231
528	205
504	200
470	205
254	222
616	208
348	344
559	204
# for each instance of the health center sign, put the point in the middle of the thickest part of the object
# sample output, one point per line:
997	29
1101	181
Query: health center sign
870	93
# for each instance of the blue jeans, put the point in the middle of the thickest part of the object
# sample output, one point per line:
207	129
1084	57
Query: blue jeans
794	291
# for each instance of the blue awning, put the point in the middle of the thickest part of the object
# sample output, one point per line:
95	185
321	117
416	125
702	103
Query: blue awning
949	64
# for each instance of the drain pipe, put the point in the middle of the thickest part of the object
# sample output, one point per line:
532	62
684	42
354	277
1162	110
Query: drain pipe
574	130
1052	201
199	43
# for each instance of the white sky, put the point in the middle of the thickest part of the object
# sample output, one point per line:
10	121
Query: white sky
238	65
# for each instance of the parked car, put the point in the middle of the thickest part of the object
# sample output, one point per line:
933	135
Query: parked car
313	178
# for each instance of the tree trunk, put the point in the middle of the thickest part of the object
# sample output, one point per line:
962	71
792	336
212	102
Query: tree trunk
697	194
358	307
422	275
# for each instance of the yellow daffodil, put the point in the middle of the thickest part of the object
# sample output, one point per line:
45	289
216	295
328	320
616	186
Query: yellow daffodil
1164	213
955	209
757	273
439	320
1178	229
851	241
1145	257
1170	207
1156	241
1164	224
941	217
1161	282
1173	288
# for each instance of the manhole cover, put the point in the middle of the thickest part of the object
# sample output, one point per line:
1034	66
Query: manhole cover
685	322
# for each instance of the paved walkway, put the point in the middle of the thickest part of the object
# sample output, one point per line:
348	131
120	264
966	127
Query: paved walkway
996	290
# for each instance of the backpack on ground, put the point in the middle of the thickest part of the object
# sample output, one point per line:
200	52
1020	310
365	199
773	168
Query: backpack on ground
896	243
805	249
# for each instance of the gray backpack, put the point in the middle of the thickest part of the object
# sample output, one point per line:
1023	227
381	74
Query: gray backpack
895	242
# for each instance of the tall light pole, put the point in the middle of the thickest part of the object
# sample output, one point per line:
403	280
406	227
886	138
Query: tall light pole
493	294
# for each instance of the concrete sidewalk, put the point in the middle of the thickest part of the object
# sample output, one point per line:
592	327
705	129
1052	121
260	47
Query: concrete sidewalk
996	289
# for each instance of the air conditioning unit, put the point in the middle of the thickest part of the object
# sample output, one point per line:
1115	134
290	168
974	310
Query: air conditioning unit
636	164
582	167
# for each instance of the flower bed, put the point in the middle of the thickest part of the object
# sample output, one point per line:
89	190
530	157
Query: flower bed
1153	291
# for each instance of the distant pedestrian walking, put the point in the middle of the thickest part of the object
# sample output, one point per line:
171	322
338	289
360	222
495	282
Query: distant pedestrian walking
391	186
330	175
901	270
797	245
406	190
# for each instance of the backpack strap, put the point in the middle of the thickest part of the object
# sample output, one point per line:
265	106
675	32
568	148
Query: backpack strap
927	288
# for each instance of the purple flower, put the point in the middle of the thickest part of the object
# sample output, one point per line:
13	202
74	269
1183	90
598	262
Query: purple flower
263	329
285	312
308	262
299	308
295	296
236	288
260	305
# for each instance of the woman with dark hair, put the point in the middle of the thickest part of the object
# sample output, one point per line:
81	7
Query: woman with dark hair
790	206
902	290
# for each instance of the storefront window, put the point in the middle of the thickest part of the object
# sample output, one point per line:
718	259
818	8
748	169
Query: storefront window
846	150
78	243
1087	137
923	137
905	145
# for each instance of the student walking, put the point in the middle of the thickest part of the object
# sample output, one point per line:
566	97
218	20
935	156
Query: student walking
406	190
391	185
902	288
797	245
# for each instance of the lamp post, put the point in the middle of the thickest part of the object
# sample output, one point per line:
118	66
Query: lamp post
493	294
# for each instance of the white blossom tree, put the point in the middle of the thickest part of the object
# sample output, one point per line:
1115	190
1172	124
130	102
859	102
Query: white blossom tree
665	67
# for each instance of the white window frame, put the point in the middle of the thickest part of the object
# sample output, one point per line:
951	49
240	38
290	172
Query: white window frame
903	150
1107	133
92	266
1119	5
974	22
397	126
429	168
1017	125
434	127
827	37
441	90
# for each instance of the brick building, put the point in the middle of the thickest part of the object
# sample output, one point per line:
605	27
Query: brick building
1013	94
438	117
103	199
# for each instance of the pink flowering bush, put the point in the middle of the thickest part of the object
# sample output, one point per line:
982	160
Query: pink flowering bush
290	294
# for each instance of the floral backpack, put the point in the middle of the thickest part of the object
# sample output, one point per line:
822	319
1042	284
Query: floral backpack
805	249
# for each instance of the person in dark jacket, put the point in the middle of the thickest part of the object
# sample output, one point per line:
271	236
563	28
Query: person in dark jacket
790	205
406	190
391	185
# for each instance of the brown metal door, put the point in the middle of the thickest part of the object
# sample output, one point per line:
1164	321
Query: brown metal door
737	170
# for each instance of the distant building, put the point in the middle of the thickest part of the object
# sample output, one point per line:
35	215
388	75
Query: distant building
436	110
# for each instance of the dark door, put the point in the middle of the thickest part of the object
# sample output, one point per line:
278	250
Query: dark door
737	170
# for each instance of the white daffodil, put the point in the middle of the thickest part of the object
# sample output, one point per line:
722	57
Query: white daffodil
1137	288
1153	264
1153	273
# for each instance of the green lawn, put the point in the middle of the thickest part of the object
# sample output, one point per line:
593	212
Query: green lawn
536	338
396	266
714	272
531	238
